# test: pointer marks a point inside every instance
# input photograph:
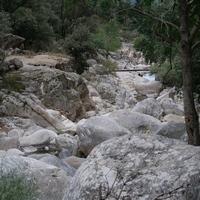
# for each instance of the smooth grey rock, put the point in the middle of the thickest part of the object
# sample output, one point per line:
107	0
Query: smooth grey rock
173	118
37	156
63	154
55	161
15	133
50	181
138	168
149	106
3	134
29	149
96	130
147	87
170	107
9	143
172	130
2	152
74	161
166	93
135	122
14	152
40	148
42	136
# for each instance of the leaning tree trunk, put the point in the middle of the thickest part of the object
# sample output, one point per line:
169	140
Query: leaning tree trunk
191	116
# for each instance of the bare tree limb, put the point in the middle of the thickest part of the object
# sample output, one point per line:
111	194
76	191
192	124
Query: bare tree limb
195	29
195	46
168	40
136	9
190	2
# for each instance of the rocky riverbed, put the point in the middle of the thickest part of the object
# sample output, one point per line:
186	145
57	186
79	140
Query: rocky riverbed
95	136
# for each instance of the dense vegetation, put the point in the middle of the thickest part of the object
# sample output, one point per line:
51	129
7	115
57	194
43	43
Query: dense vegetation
78	27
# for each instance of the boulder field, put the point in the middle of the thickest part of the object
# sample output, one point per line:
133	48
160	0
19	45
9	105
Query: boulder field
94	136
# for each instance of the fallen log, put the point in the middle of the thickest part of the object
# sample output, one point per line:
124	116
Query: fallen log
132	70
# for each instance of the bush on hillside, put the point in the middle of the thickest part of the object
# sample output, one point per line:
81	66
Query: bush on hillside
108	67
14	185
167	75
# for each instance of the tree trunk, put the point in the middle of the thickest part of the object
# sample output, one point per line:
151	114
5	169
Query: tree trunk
191	116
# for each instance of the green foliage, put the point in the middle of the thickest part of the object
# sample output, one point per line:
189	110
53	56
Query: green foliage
12	83
154	51
108	67
60	132
167	74
5	25
25	23
79	41
79	45
144	44
14	186
107	37
33	22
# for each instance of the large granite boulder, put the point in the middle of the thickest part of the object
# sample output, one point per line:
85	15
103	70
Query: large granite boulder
55	161
144	86
135	122
96	130
149	106
171	107
74	161
11	41
29	106
59	90
9	143
173	118
138	168
56	89
39	137
172	130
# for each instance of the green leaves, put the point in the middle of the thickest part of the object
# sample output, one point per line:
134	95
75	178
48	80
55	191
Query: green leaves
107	37
5	25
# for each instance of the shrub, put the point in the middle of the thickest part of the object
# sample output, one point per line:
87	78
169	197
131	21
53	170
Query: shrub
15	186
108	67
79	45
167	75
60	132
107	37
12	83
